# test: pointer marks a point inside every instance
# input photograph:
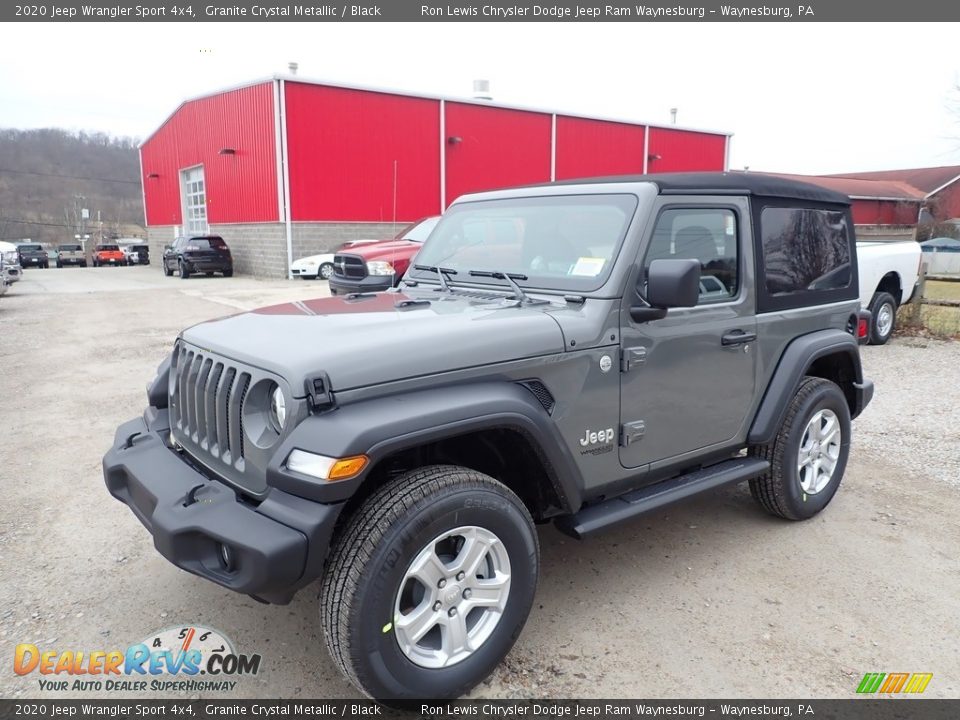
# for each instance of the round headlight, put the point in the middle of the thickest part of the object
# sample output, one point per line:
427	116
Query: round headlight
278	409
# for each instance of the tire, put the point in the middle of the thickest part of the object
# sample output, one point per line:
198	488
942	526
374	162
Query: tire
325	271
184	270
228	273
59	265
884	310
785	492
166	269
83	264
367	580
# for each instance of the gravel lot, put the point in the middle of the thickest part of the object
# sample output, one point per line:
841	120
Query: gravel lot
709	599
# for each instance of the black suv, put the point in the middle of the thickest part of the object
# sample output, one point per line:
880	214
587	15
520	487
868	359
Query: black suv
32	255
201	254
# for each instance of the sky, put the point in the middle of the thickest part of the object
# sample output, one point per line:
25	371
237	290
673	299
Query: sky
798	98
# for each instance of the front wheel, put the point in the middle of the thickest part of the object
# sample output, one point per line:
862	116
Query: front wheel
325	271
429	584
884	310
808	455
166	269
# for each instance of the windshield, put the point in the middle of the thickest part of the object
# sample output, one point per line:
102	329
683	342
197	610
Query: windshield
418	232
564	242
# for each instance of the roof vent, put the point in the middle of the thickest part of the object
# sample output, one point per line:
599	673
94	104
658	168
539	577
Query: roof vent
481	90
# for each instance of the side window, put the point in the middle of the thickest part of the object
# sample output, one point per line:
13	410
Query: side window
804	249
706	234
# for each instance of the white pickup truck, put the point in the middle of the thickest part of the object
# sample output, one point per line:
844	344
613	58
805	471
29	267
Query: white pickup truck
889	272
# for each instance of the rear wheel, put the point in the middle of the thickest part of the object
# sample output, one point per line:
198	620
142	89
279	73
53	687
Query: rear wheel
227	273
429	584
59	264
184	270
808	455
884	310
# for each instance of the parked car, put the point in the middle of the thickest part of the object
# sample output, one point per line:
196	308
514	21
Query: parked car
4	283
378	266
32	255
136	253
321	266
108	254
71	254
11	262
554	355
889	273
200	254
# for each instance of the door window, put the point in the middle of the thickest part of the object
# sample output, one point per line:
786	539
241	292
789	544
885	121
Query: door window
708	235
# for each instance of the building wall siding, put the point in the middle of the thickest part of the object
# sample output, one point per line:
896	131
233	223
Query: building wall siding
491	147
595	148
240	187
354	153
685	151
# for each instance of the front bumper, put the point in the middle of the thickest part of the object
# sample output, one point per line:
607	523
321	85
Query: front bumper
277	546
371	283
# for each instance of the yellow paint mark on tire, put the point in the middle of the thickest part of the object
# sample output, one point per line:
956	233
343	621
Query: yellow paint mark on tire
804	499
388	627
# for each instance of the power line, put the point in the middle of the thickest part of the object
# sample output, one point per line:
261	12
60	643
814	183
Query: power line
69	177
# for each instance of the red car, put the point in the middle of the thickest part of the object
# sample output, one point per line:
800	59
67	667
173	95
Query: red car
378	266
108	255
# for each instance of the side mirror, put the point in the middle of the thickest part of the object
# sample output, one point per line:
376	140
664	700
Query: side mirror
670	283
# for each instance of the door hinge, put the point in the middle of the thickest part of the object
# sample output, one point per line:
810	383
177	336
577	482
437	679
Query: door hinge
632	357
631	432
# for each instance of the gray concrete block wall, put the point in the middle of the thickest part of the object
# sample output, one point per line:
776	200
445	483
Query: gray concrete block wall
260	249
314	238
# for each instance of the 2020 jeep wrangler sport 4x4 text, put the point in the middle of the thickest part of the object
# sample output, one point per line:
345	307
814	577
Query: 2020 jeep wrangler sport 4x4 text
579	352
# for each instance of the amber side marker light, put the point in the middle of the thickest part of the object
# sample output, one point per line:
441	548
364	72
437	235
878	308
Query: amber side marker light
326	468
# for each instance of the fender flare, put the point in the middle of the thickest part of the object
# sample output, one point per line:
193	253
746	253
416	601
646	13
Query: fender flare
383	426
797	358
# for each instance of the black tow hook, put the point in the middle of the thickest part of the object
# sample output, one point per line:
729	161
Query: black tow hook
192	495
128	443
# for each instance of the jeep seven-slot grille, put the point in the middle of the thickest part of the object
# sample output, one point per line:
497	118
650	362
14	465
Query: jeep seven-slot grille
207	403
349	266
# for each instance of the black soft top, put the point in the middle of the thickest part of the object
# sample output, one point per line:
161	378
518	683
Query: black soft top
725	183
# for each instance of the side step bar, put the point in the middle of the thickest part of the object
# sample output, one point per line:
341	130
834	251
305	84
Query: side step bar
637	502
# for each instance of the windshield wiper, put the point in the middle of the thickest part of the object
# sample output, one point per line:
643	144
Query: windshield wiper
509	277
441	273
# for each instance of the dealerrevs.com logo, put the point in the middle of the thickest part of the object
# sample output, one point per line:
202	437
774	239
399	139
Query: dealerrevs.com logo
184	659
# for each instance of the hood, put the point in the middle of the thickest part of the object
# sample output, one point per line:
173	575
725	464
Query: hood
386	249
315	259
374	339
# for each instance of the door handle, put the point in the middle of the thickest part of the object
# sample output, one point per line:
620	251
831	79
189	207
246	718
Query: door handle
737	337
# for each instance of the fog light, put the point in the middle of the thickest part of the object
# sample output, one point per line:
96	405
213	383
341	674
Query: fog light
226	556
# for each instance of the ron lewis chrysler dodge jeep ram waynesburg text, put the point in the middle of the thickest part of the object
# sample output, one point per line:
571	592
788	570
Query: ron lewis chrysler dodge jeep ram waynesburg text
578	352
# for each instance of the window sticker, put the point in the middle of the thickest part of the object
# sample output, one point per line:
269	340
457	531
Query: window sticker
588	266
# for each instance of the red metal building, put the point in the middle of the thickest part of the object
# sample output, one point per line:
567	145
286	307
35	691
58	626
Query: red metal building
286	167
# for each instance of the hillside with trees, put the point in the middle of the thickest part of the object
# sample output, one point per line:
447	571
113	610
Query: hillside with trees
49	176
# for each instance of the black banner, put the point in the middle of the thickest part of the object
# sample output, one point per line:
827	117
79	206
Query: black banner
853	709
495	11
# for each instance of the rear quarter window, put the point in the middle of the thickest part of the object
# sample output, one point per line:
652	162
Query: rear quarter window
806	257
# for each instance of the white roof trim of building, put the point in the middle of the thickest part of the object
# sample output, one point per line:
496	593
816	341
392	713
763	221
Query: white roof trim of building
946	184
427	96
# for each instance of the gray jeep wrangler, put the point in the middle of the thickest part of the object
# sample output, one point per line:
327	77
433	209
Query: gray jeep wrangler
581	353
